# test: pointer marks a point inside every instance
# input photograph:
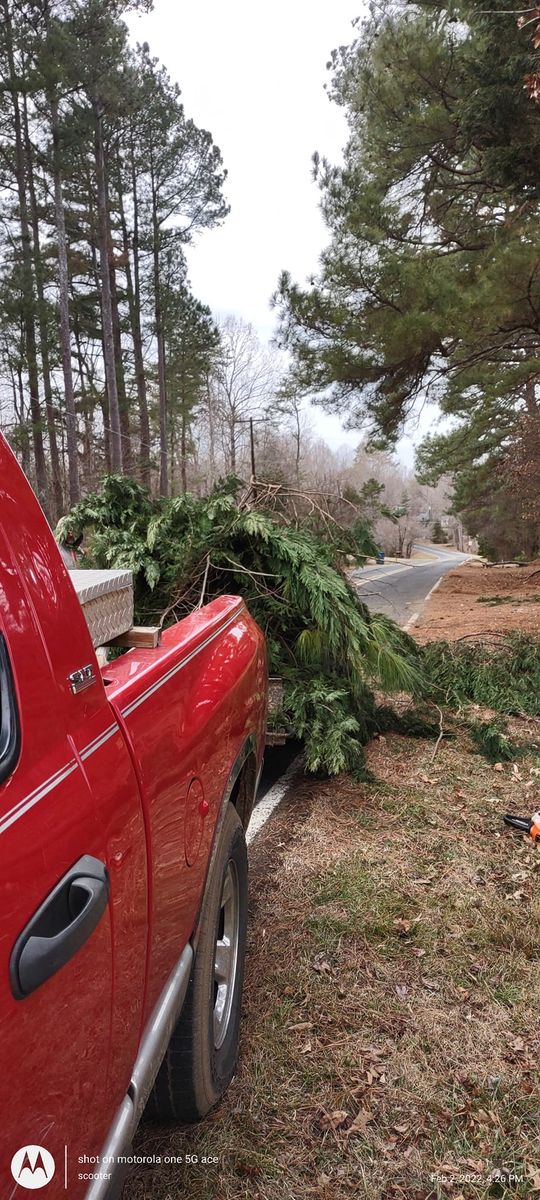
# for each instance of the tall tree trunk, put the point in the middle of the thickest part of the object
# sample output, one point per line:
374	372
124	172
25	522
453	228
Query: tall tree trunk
18	404
106	301
86	406
134	307
56	473
232	443
162	379
530	396
104	400
211	432
162	365
183	450
63	304
88	443
297	438
172	457
27	279
120	377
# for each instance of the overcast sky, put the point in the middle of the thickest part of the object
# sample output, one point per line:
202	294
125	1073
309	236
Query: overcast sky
254	76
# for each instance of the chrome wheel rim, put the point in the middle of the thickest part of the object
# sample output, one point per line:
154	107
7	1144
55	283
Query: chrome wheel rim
226	955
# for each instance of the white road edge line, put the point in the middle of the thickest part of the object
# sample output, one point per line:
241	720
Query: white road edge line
274	796
416	616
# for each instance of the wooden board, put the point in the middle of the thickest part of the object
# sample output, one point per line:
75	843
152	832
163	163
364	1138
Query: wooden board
139	637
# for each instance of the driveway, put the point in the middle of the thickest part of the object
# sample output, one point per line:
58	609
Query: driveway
399	589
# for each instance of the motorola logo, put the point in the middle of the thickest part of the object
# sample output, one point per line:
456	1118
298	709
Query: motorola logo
32	1167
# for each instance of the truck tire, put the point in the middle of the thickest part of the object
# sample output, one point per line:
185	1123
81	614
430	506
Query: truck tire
202	1053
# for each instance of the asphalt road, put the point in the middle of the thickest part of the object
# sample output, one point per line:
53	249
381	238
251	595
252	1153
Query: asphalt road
399	589
277	759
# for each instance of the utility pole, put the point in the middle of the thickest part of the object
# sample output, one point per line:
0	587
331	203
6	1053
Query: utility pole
252	421
252	440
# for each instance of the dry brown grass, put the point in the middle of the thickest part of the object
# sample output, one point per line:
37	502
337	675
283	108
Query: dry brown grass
391	996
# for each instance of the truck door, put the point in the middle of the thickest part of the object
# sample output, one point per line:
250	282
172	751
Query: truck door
55	1024
72	881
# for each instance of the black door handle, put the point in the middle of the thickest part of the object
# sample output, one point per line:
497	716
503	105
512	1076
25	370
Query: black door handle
61	925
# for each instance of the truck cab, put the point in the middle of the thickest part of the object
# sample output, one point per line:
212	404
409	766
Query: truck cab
125	792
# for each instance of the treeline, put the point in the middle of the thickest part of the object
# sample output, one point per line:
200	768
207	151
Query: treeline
105	354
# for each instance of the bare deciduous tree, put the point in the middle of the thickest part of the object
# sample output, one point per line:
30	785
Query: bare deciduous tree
244	384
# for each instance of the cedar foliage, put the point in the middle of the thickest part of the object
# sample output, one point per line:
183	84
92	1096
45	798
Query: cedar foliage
327	646
491	740
503	675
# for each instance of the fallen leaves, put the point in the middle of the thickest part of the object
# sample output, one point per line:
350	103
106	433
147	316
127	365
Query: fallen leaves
361	1121
340	1121
322	967
333	1120
533	1178
402	925
431	984
516	1044
375	1075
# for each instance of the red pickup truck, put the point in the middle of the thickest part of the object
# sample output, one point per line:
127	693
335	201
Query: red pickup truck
125	793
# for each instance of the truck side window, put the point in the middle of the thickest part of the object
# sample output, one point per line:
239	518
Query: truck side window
9	717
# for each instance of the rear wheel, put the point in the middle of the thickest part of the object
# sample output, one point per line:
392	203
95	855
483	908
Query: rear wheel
202	1054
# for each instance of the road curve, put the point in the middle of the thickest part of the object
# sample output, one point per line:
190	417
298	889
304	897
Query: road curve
399	589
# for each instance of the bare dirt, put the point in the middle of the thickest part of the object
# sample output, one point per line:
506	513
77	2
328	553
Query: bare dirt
476	600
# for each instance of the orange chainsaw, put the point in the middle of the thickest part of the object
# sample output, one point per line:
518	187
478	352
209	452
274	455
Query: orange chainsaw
530	825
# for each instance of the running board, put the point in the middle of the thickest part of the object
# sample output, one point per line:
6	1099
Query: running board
112	1165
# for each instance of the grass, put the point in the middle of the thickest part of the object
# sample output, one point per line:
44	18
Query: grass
388	1048
495	601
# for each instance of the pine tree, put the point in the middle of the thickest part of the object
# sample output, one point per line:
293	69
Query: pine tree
13	68
191	342
430	283
102	178
181	177
51	65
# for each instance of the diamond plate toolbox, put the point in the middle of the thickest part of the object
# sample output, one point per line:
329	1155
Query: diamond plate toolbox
107	602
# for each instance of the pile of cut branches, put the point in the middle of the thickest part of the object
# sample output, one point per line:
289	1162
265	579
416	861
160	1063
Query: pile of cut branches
329	649
499	672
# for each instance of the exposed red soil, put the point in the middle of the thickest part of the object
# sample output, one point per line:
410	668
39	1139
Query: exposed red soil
456	609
